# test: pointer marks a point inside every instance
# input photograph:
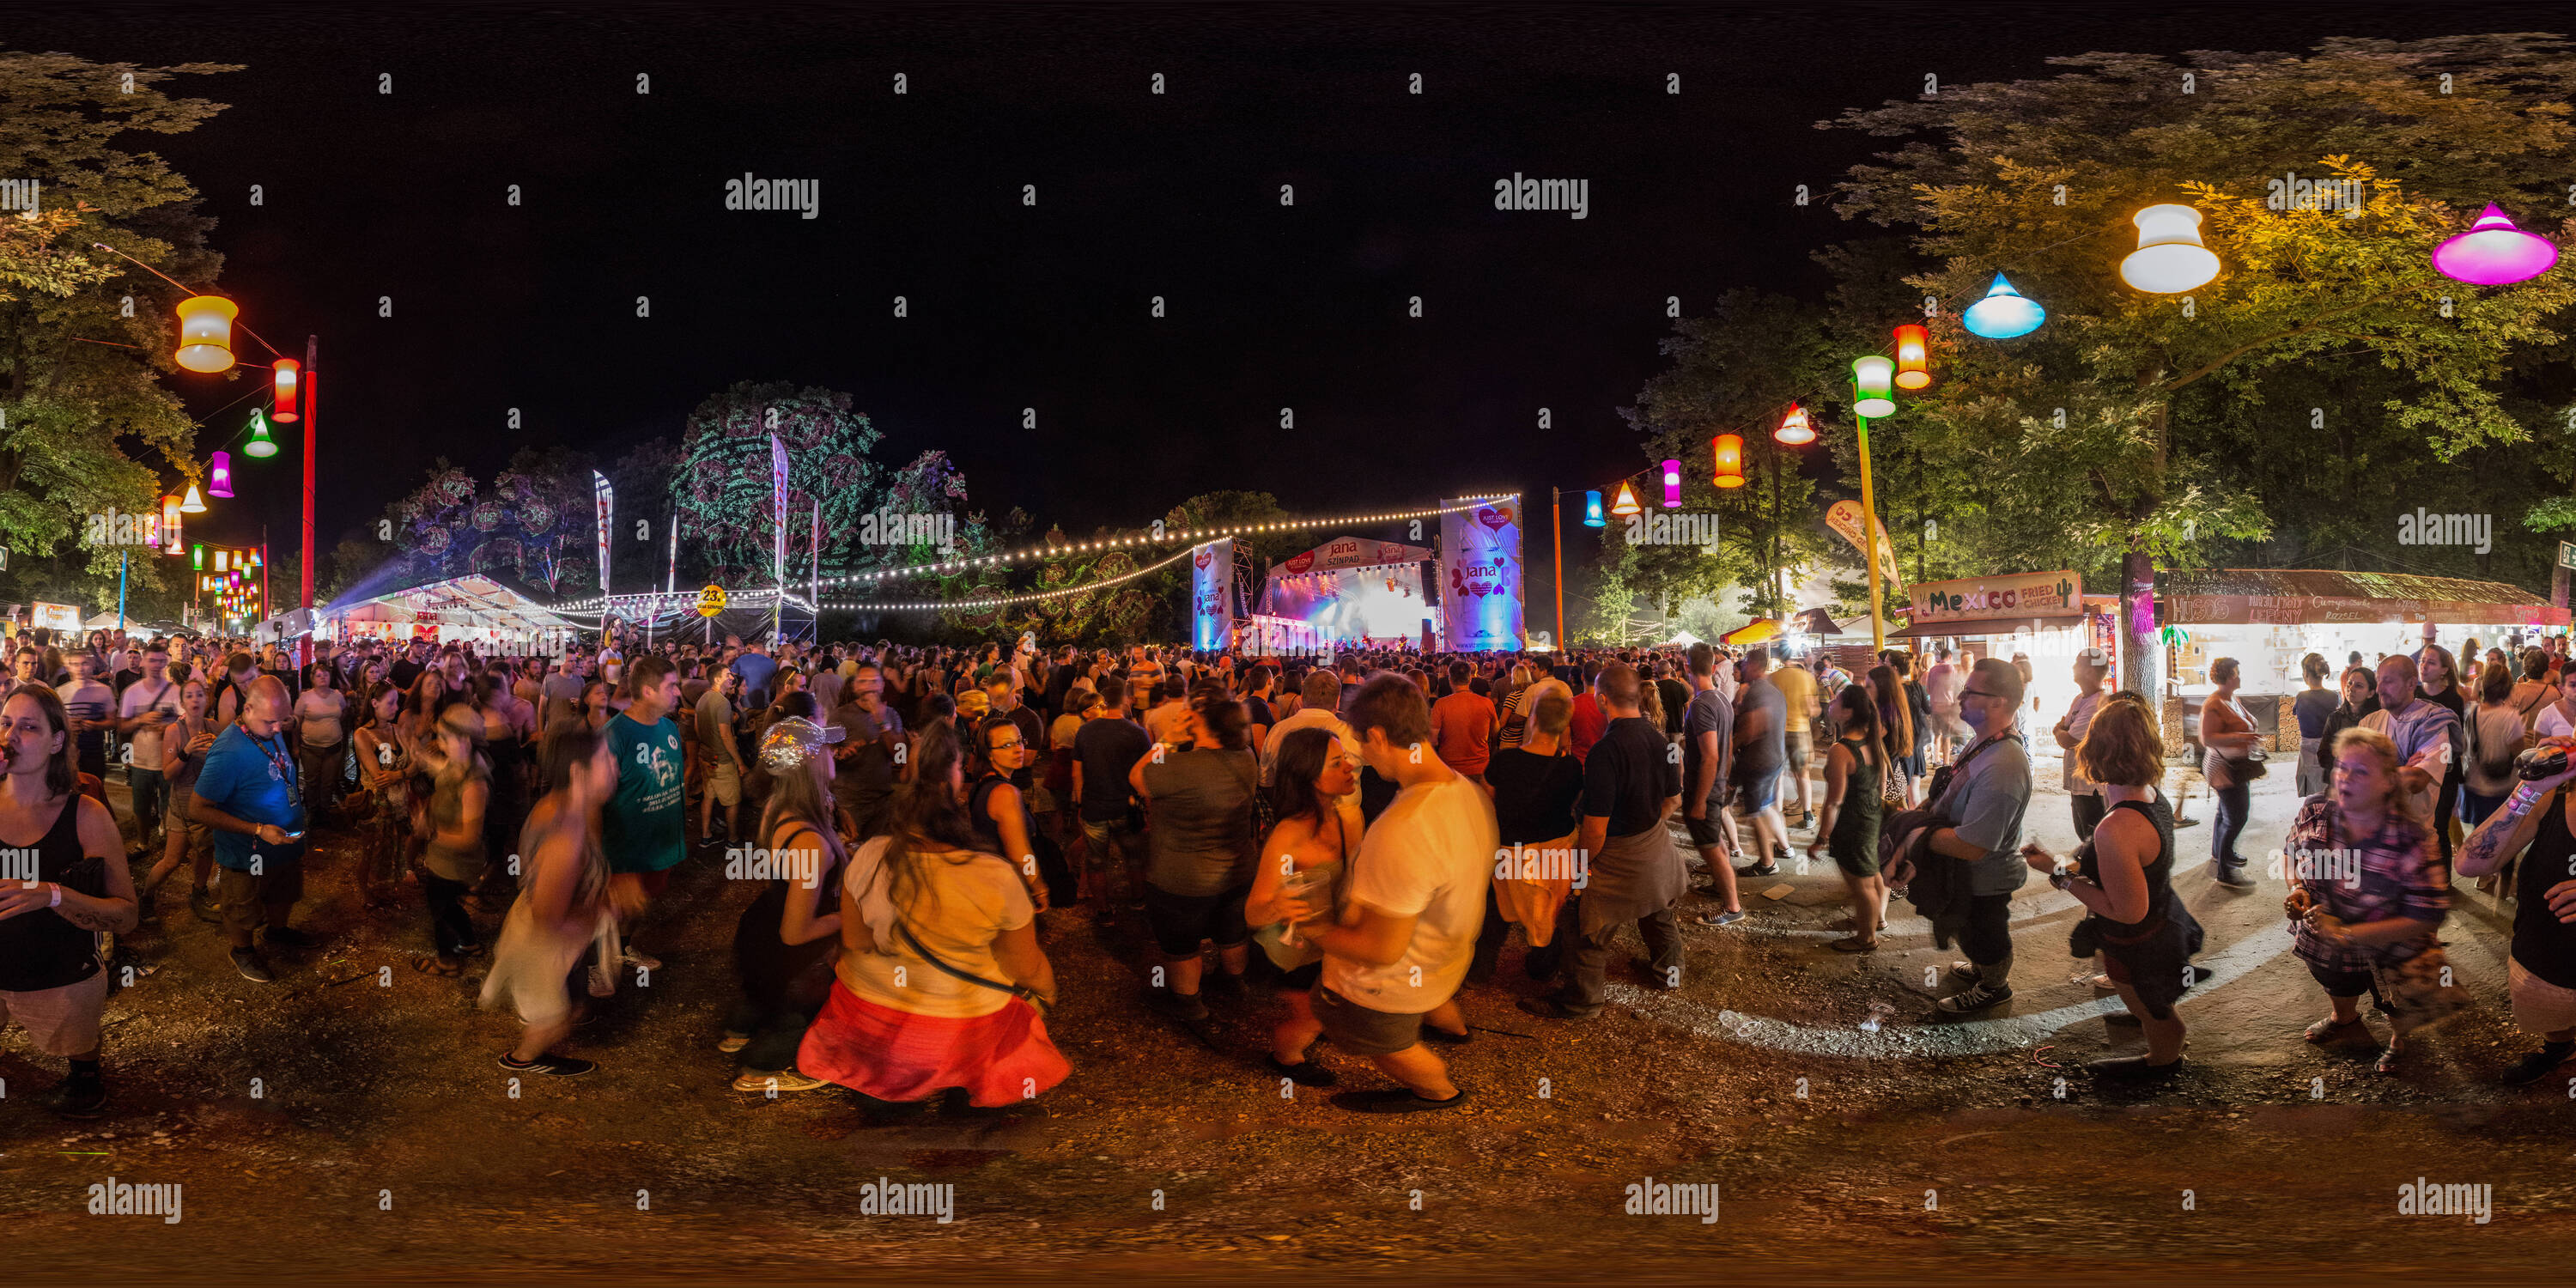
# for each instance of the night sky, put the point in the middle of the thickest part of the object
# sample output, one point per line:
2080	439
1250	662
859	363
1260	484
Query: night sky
1177	195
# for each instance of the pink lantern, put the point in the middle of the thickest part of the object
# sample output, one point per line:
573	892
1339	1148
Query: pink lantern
220	482
2494	253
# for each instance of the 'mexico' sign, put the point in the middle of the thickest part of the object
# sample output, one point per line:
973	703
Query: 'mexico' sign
2041	594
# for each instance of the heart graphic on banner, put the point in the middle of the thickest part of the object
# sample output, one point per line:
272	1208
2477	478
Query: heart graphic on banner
1492	518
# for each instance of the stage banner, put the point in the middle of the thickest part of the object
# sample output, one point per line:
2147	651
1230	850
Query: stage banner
1480	575
1212	595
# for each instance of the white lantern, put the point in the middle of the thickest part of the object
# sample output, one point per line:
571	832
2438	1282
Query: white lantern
2169	258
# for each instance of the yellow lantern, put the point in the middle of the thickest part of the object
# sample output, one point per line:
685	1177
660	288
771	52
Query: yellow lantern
1627	502
206	333
1729	450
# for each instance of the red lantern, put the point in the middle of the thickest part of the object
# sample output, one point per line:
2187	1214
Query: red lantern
1730	459
1913	357
290	387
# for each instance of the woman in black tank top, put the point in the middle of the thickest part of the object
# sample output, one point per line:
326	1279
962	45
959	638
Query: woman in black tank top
2122	877
65	883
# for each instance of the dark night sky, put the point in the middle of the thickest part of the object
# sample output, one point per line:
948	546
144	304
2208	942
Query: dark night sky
403	195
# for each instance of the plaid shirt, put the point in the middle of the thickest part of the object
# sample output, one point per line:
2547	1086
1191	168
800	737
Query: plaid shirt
2402	875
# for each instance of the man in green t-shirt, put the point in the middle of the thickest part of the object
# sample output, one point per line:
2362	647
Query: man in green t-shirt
641	828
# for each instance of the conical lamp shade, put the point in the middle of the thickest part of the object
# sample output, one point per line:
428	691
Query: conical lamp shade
2003	314
260	443
2494	253
195	504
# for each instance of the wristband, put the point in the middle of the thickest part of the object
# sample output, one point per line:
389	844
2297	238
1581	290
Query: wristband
58	896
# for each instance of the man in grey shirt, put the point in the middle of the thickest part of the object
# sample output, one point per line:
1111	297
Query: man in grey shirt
1987	796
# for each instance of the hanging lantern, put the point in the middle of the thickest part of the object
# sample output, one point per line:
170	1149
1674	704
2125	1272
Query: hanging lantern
260	443
197	560
206	333
1871	394
2003	314
1794	429
1730	459
1673	485
219	481
2169	258
252	556
1592	511
223	558
1913	356
170	523
2494	253
290	386
1627	503
195	504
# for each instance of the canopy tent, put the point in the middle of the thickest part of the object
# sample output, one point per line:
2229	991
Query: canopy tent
1681	639
480	608
2294	596
1816	621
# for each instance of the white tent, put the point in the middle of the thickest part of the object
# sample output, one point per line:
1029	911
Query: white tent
475	609
1682	639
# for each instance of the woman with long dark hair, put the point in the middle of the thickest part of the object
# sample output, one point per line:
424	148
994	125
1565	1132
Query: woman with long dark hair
53	981
786	938
451	830
1895	712
940	976
565	898
384	772
321	735
1304	859
1847	827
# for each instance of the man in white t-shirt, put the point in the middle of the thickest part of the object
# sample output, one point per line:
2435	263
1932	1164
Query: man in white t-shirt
1942	684
1416	898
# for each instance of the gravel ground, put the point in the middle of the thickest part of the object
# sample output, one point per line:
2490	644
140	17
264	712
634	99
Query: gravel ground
382	1138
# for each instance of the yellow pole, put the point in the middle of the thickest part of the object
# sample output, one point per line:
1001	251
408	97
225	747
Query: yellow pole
1869	544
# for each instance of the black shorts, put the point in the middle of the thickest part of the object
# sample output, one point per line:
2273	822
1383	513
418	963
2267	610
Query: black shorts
1705	833
1182	922
1302	979
2343	983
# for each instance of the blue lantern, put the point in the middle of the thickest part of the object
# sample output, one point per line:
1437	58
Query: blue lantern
2004	313
1592	511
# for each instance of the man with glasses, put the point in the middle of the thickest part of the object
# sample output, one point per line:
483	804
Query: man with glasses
1988	792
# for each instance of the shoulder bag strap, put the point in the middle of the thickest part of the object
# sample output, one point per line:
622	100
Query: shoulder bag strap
912	941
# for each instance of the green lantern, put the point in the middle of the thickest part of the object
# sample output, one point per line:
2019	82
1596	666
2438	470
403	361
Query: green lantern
260	443
1874	386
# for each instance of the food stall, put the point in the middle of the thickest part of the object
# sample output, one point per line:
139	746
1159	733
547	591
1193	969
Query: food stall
478	609
2269	619
2044	616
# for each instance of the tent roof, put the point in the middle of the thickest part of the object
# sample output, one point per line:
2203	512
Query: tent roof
478	599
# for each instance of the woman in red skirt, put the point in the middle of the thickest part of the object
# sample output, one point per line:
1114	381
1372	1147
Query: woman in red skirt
940	978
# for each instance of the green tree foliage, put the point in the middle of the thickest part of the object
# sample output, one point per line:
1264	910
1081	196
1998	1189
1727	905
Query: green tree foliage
90	425
2124	425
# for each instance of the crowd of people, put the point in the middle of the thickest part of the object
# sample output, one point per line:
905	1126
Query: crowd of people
1376	823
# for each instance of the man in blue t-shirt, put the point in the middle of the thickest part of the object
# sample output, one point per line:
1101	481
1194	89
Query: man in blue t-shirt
250	793
755	666
642	829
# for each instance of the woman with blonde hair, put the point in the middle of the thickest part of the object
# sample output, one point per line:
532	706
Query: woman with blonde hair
2357	923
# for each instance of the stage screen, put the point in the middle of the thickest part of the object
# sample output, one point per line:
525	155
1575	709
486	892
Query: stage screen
1383	602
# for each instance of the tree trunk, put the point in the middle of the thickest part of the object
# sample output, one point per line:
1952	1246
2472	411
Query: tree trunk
2142	654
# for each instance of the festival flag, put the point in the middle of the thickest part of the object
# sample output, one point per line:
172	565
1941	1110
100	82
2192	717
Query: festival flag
607	499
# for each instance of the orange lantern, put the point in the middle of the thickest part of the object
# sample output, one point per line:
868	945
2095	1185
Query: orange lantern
290	385
1913	356
1627	502
170	522
1794	429
1730	459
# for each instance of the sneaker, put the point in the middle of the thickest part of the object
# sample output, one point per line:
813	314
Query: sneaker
561	1066
1976	998
1719	918
201	901
1965	973
783	1080
1647	977
1758	870
246	960
733	1042
1223	986
2233	878
288	937
1552	1009
1305	1073
2539	1064
78	1098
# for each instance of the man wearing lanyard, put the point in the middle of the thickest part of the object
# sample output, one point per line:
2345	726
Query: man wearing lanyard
1989	791
250	794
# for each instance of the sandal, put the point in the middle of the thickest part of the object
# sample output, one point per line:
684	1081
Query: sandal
2327	1029
1855	944
2388	1056
433	965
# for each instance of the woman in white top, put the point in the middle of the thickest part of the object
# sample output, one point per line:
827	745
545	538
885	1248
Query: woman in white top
2558	719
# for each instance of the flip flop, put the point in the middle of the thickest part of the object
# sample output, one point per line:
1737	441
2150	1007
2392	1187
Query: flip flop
1854	944
431	965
